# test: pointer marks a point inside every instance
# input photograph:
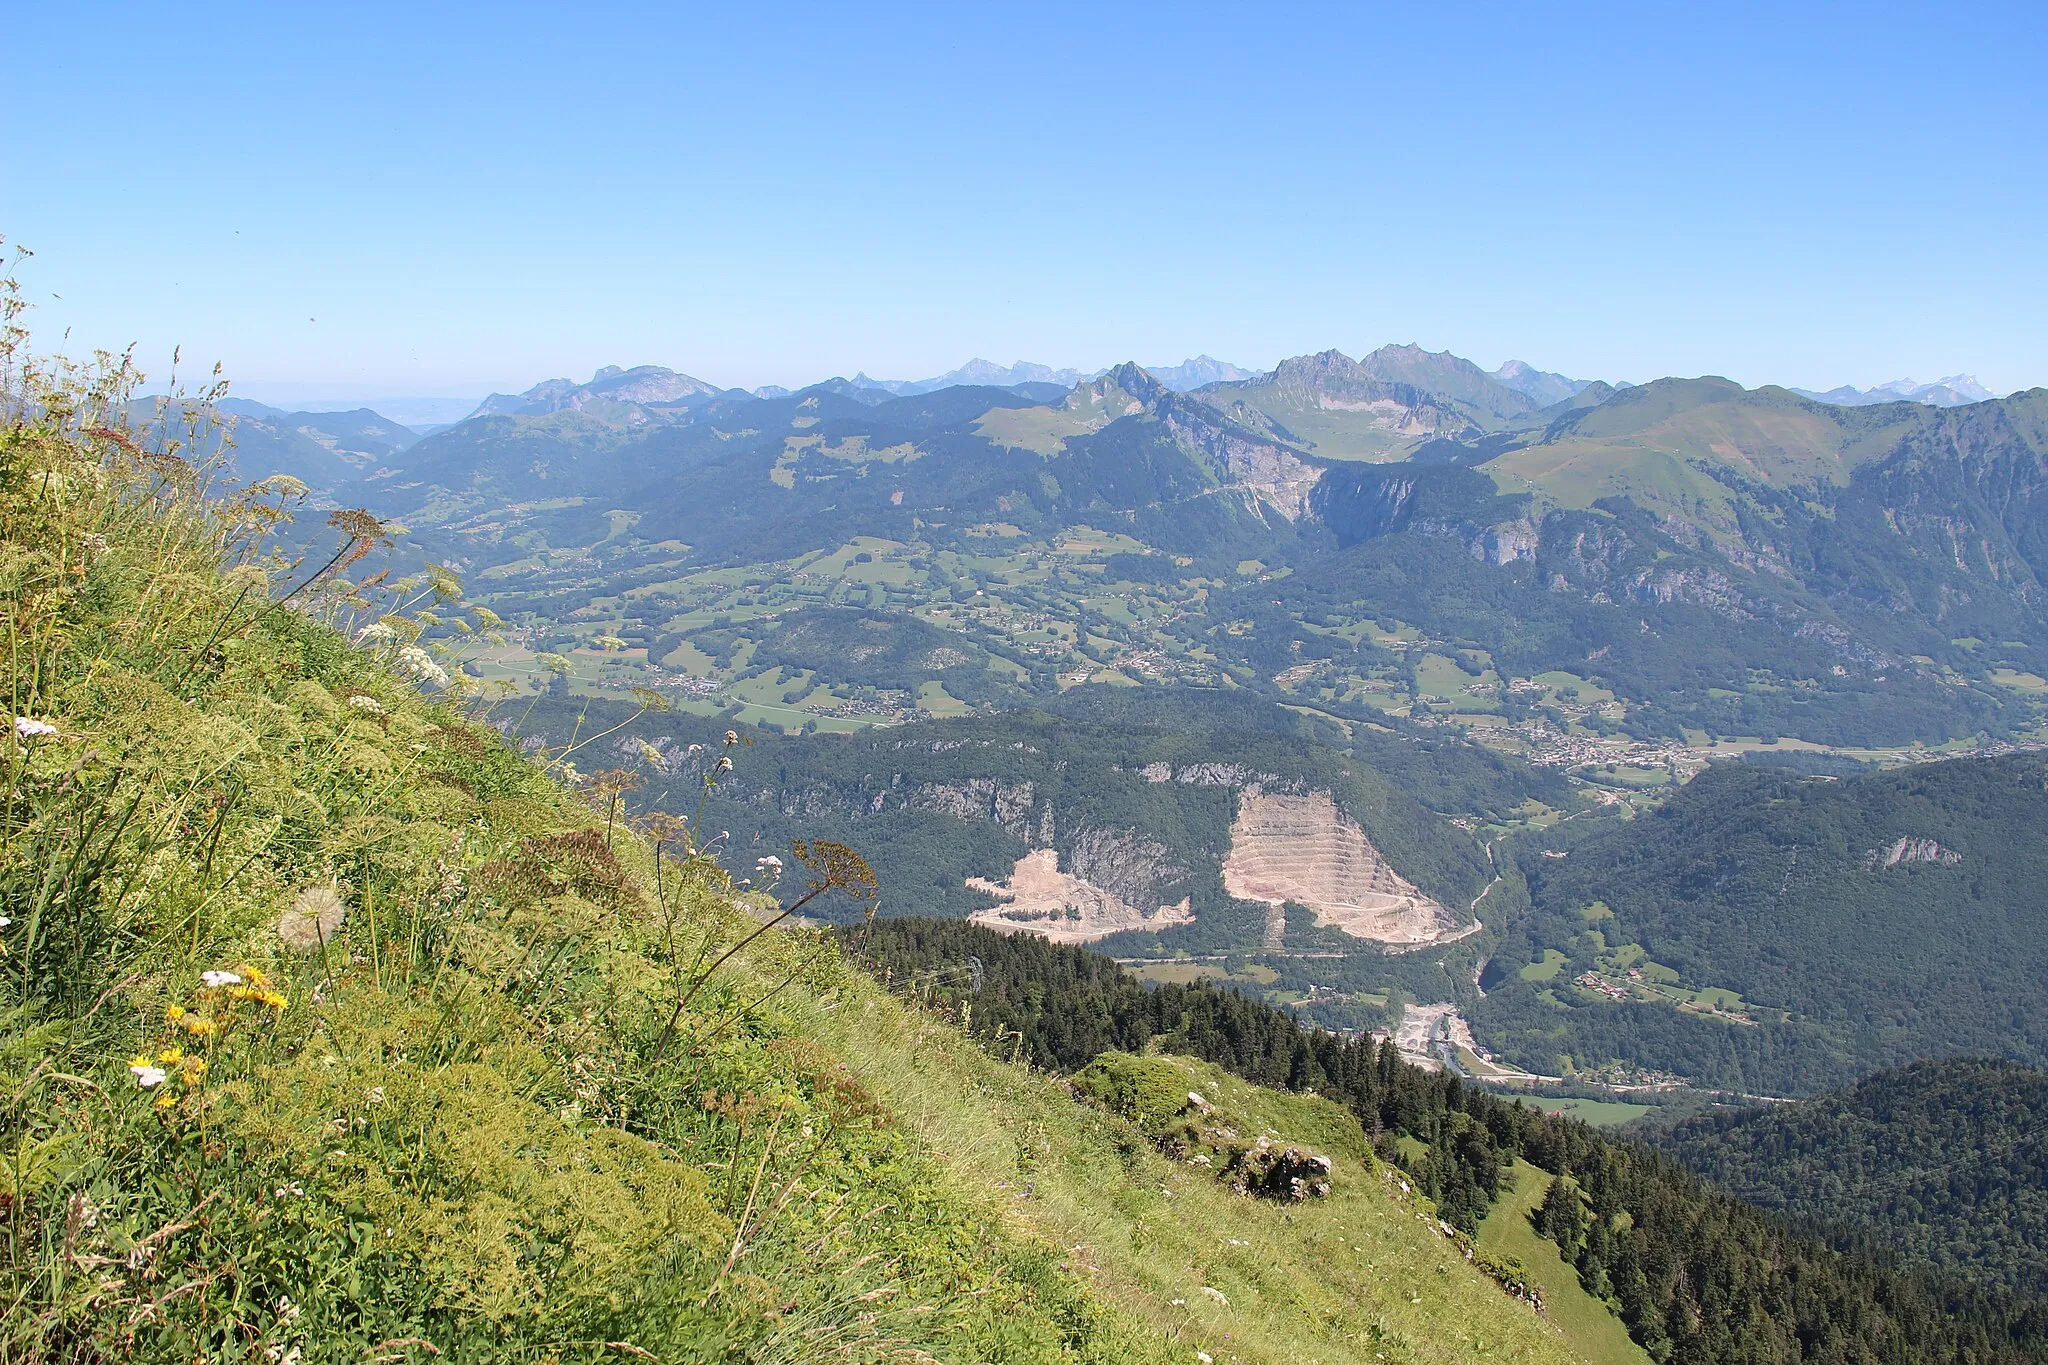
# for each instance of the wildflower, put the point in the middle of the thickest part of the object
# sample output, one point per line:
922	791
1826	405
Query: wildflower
5	922
25	728
376	1095
166	1100
275	1000
376	633
176	1014
367	705
218	979
255	975
724	766
419	665
732	736
769	863
148	1075
170	1056
200	1027
312	919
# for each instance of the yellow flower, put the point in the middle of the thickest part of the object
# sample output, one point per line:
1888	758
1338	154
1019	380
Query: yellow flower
175	1013
166	1100
256	978
170	1056
141	1059
201	1028
276	1000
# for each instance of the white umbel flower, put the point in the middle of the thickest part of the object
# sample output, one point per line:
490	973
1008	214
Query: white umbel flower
419	665
27	728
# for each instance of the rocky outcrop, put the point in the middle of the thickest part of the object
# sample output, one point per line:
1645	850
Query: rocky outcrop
1906	850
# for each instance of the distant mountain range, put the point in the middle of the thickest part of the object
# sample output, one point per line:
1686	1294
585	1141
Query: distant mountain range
1952	392
646	392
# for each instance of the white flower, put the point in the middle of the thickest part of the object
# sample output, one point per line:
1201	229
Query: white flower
724	765
147	1077
217	979
769	861
376	633
732	736
5	922
419	665
367	705
25	728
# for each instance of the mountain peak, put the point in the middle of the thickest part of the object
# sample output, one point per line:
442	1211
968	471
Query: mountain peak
611	383
1545	387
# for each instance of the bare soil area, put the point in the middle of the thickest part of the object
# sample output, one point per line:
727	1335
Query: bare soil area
1041	899
1303	849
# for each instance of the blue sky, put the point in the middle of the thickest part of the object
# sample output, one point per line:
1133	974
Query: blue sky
382	200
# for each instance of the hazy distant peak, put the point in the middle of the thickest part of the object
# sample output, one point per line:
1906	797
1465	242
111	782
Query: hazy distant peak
1542	385
1954	391
1193	374
611	383
1948	392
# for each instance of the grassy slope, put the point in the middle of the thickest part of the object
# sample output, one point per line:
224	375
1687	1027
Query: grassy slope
464	1127
1363	1275
1595	1333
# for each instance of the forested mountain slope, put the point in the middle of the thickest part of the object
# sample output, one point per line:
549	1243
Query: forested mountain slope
1789	933
1946	1162
1694	1273
1132	792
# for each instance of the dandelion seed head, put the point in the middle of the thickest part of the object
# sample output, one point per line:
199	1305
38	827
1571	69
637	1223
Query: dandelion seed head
314	915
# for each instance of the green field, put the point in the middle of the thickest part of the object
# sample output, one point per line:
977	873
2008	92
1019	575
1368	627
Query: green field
1593	1331
1599	1113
